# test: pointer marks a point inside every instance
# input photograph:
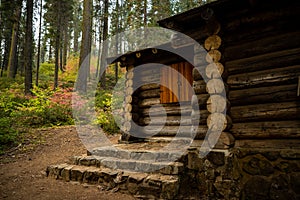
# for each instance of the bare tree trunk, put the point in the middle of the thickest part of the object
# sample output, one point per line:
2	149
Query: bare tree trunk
65	47
117	42
28	47
39	46
57	47
105	47
99	43
84	60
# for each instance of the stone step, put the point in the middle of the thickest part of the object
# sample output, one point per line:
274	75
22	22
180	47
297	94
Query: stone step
141	185
168	168
150	155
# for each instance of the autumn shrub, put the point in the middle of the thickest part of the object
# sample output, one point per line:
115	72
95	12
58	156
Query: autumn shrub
45	108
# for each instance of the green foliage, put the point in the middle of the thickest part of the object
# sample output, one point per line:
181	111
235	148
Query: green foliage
105	118
19	113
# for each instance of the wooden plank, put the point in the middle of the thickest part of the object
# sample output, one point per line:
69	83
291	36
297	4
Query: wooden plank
149	102
269	129
167	121
149	93
262	46
199	87
169	109
279	76
282	93
264	61
265	112
266	144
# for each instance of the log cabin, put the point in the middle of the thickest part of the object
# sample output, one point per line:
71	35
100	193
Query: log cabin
249	50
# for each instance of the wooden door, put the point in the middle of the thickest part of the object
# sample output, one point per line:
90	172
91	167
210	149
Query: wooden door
176	83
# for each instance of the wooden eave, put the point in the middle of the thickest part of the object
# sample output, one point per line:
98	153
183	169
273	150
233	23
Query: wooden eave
160	54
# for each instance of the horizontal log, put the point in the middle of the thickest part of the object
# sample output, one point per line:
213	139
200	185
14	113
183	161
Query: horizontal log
168	110
141	80
128	99
135	117
199	117
260	21
129	91
279	76
199	87
127	116
150	93
213	56
129	83
149	86
178	131
250	33
217	104
268	144
149	102
166	120
215	70
216	86
199	49
149	70
283	93
199	131
130	75
212	42
200	59
126	126
194	102
263	62
128	107
265	112
219	122
262	46
225	141
264	130
202	100
198	73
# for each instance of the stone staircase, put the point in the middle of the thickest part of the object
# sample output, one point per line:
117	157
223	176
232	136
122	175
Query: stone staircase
137	169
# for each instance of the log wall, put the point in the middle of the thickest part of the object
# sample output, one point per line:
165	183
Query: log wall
149	116
261	54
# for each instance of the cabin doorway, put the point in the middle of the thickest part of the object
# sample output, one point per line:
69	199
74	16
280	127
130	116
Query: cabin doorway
176	83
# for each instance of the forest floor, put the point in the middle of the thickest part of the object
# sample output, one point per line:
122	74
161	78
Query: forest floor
22	169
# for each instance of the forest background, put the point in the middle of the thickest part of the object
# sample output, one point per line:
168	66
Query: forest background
42	46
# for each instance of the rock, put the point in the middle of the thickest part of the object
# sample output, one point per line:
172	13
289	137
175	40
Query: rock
280	188
295	182
271	155
255	188
256	166
290	154
217	158
194	162
287	167
169	189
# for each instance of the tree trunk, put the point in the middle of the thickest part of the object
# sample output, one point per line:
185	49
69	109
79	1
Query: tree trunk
85	50
39	46
28	47
12	59
105	47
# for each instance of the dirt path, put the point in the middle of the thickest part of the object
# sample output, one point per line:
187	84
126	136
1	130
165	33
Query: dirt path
22	173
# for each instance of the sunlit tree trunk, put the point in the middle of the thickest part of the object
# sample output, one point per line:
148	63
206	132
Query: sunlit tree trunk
12	59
